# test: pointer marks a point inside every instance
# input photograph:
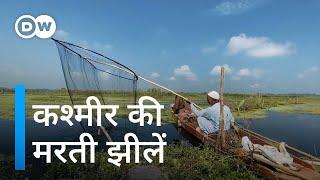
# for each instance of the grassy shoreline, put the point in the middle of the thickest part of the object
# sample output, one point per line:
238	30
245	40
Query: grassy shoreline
181	161
308	108
243	106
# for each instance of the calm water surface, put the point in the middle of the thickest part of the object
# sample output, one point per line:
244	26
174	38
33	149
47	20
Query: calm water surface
298	130
63	132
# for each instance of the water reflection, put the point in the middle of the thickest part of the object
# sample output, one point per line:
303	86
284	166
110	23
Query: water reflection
298	130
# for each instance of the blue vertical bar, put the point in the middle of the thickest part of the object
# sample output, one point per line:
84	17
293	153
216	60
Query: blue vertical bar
20	127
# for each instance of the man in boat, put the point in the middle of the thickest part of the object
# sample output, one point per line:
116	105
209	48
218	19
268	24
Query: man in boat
208	119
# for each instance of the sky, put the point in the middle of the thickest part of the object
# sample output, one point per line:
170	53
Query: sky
265	45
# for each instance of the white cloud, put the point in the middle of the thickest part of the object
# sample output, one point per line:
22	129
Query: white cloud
155	75
246	72
301	76
84	44
11	69
234	7
313	69
255	85
217	69
79	76
103	75
108	46
101	46
172	78
61	34
185	71
237	78
309	71
76	75
208	50
214	47
258	47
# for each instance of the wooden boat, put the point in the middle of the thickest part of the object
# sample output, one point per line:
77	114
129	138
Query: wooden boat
264	167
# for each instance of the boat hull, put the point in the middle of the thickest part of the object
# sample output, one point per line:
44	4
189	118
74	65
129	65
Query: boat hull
265	168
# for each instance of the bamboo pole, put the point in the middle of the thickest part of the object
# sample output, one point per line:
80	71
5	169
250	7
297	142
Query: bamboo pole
167	89
143	78
221	133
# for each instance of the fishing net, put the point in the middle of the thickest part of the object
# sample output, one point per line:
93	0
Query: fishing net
88	73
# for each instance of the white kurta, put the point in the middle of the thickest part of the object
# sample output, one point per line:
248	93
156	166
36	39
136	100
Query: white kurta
208	119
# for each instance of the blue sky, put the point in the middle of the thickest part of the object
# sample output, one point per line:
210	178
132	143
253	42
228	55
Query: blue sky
266	46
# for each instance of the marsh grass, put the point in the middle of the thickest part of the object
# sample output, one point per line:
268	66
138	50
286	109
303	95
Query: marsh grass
242	105
181	161
311	108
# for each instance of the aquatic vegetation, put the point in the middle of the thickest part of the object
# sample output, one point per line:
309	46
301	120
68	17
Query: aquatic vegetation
7	169
239	106
203	163
242	105
311	108
181	161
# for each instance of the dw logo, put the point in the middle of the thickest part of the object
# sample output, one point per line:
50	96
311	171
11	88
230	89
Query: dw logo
43	26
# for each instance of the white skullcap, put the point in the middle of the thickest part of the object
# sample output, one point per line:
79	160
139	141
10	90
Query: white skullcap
214	95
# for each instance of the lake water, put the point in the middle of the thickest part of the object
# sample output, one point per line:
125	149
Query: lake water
63	132
297	130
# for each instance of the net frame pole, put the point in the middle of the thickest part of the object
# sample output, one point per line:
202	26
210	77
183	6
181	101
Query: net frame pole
121	68
167	89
